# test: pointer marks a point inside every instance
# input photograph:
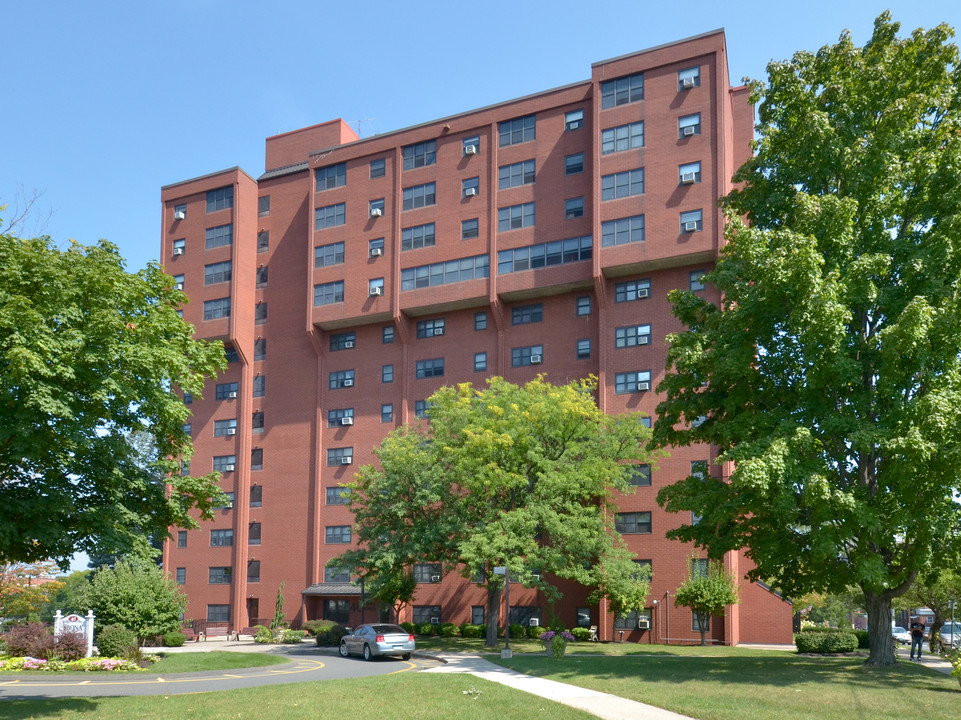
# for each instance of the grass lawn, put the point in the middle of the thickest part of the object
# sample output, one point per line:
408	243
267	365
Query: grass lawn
406	695
181	663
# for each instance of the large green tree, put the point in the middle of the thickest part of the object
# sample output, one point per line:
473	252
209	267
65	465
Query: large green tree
90	356
830	373
503	476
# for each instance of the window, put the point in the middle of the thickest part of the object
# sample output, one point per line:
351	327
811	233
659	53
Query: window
640	475
524	314
188	398
420	409
261	278
430	368
334	417
218	613
583	617
260	313
219	575
583	305
329	293
477	615
574	164
533	355
480	321
514	217
378	168
420	154
340	379
334	574
699	567
180	246
263	206
219	236
387	373
622	231
558	252
221	538
518	130
180	211
471	145
622	137
337	610
257	459
181	575
431	328
689	125
622	184
260	349
632	382
342	341
419	236
420	196
452	271
181	538
376	208
217	273
633	523
470	187
632	290
256	496
226	391
428	572
227	503
696	623
469	229
219	308
688	78
583	349
574	120
220	199
230	352
697	280
331	176
523	614
628	621
574	208
223	428
632	336
188	428
263	241
375	248
179	281
521	173
387	413
480	362
623	90
330	216
338	495
426	614
699	469
327	255
253	571
689	173
387	334
692	221
337	534
260	385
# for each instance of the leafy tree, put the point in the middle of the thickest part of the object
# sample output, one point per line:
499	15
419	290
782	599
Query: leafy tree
706	594
396	589
505	476
136	595
280	620
25	588
832	609
90	356
936	588
68	598
830	374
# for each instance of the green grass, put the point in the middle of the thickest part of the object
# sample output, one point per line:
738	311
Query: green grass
438	644
733	684
183	662
408	695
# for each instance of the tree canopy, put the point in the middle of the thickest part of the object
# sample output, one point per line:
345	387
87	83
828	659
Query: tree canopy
90	356
830	373
504	476
707	592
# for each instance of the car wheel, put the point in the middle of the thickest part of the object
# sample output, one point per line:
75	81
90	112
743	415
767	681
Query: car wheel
343	649
367	655
406	656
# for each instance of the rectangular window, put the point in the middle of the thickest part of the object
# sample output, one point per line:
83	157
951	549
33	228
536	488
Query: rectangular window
523	614
583	349
480	362
524	314
471	145
480	321
697	280
338	495
522	356
326	255
633	523
622	90
221	538
431	328
257	423
574	120
632	336
470	187
692	221
253	571
337	611
261	277
420	154
574	208
219	236
331	176
230	352
329	293
387	373
700	567
387	334
378	168
376	208
260	313
375	287
263	206
418	236
337	534
335	418
256	496
632	382
257	459
181	575
340	379
420	196
227	503
226	391
340	456
181	538
220	199
477	615
260	349
632	290
330	216
334	574
219	575
688	78
584	305
375	248
521	173
430	368
342	341
469	229
219	308
222	428
640	475
627	621
689	125
558	252
188	428
179	281
574	164
622	184
180	246
428	572
217	273
180	211
387	413
622	137
622	231
515	217
518	130
689	173
263	241
420	409
452	271
426	614
260	385
218	613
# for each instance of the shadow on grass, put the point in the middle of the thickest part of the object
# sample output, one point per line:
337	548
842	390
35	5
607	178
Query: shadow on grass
26	708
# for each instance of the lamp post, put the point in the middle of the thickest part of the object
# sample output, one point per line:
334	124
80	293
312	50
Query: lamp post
502	570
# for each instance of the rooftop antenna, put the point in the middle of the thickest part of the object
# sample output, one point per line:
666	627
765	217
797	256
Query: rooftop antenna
357	129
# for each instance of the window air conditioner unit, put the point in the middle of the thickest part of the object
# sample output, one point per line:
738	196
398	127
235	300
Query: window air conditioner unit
180	286
231	431
470	192
687	83
470	149
347	460
178	251
690	226
536	359
229	468
435	578
438	331
375	291
376	212
643	292
643	339
644	624
534	622
644	385
688	178
688	130
435	621
347	420
348	382
179	215
574	125
536	577
376	252
348	344
232	394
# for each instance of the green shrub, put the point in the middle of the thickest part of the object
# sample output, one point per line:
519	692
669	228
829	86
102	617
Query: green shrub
815	641
468	630
581	634
336	634
264	635
409	627
116	641
174	639
448	630
315	627
534	631
862	636
292	636
425	629
520	631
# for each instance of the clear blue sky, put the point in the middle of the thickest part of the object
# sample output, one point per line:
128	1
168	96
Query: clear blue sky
104	101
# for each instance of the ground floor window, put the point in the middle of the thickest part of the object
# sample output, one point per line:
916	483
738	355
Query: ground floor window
426	614
522	614
627	622
477	615
337	610
218	613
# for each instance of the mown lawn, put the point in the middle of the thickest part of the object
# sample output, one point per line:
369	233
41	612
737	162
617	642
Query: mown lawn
182	662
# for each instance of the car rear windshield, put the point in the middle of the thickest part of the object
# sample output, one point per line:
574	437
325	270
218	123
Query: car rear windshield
389	629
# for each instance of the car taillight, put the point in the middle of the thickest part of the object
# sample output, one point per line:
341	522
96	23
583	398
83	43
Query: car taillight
379	638
411	638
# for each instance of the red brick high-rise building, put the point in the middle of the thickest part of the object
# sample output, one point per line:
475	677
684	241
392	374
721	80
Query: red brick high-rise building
356	276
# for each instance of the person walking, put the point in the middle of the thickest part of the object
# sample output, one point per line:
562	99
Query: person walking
917	636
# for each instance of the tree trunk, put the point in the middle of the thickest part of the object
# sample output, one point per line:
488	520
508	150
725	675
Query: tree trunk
935	634
880	638
493	614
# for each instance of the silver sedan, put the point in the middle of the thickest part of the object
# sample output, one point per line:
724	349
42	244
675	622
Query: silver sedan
378	640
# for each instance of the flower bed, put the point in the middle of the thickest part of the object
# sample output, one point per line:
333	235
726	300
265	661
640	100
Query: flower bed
94	664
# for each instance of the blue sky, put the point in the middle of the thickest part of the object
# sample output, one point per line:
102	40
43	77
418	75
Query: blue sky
104	102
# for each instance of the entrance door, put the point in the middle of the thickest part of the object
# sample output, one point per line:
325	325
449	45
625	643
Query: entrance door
253	610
